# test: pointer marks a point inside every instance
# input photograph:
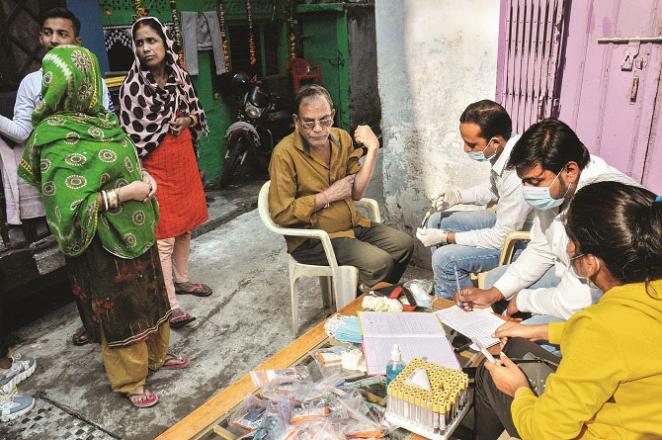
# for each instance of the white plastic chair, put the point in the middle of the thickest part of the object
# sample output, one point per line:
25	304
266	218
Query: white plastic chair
338	283
507	254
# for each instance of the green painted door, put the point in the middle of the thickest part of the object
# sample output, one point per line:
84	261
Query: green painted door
325	44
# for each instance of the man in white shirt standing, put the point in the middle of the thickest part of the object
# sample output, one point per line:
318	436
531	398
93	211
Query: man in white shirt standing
471	241
58	26
553	164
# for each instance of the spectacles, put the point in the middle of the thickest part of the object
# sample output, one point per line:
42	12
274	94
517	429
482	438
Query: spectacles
582	278
325	122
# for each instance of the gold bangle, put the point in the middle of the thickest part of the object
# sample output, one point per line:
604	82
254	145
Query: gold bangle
117	197
104	200
110	199
113	199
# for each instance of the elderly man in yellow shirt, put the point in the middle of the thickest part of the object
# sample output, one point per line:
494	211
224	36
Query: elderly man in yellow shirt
609	383
315	179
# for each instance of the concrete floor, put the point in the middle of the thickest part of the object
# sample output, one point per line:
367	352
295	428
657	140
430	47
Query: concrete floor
245	321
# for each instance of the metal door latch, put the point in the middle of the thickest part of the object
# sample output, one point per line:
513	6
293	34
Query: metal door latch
630	54
632	51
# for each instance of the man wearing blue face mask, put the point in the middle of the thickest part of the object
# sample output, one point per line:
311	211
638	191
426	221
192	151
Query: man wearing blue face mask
553	164
470	241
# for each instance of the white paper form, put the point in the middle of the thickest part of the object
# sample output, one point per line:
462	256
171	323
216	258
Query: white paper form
478	323
419	335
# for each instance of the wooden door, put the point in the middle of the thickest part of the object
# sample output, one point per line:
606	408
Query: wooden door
611	84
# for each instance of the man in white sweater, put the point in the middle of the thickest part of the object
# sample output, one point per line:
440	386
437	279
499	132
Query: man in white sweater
58	26
471	241
553	164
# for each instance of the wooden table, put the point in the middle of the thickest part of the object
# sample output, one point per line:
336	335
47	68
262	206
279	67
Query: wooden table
202	420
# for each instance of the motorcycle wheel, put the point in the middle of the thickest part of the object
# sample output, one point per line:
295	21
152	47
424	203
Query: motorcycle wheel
231	164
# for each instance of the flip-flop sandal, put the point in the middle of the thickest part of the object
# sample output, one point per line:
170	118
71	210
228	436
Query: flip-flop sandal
175	362
180	319
80	337
198	289
43	243
143	399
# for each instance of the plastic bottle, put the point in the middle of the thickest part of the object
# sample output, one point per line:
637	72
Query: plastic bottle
395	365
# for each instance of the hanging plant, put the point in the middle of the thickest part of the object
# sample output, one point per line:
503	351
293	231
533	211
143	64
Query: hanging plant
226	43
251	37
175	30
141	11
293	36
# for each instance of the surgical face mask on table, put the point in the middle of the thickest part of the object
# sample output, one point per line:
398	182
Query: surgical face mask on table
539	197
479	156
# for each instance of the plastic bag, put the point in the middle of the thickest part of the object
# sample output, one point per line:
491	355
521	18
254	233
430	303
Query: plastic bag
303	390
288	375
345	361
309	411
422	290
360	419
250	414
324	430
329	357
275	423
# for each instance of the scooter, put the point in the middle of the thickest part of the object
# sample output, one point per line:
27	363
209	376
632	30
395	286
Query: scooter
262	121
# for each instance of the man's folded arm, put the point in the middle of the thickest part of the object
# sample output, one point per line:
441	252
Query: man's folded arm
286	209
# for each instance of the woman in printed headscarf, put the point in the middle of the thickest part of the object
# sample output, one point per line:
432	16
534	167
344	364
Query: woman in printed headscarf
163	117
100	210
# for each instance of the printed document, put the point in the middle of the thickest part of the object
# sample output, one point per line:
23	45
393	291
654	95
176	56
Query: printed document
419	335
479	323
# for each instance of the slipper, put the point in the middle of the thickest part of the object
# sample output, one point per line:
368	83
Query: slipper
193	289
80	337
175	362
43	243
142	399
180	318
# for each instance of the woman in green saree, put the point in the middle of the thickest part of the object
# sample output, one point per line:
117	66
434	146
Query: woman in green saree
99	206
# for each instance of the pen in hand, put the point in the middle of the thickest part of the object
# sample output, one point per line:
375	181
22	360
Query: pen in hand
465	306
426	218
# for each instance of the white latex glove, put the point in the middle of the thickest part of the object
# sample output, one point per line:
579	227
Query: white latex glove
447	200
432	236
381	304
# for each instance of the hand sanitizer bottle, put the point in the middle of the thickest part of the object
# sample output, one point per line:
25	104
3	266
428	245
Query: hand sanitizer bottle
395	365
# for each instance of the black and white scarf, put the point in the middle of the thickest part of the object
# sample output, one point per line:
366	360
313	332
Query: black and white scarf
147	109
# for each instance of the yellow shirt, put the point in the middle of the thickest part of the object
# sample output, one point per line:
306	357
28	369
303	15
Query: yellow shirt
609	382
296	176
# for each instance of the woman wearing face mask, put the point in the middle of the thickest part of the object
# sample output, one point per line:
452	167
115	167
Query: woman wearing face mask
161	113
609	383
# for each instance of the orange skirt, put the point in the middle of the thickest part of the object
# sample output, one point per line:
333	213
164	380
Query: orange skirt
180	194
